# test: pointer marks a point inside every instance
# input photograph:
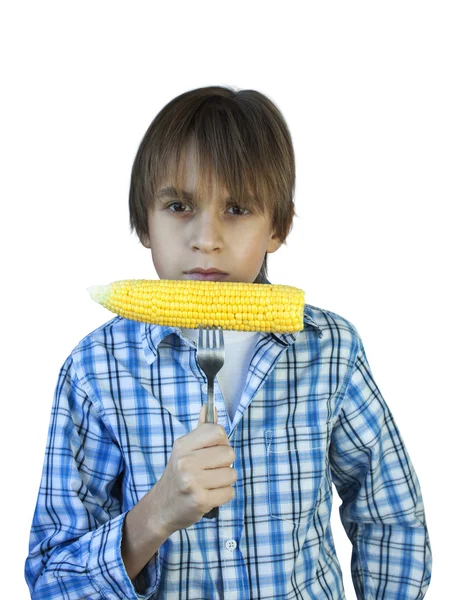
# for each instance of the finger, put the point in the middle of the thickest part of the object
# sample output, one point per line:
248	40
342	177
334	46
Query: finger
204	435
218	478
207	459
202	415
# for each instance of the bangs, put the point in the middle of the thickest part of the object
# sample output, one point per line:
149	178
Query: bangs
241	188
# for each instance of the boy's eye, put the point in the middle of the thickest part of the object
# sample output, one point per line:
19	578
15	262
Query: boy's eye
231	206
175	204
241	209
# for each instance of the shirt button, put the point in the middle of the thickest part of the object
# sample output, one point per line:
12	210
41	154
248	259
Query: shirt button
205	389
230	545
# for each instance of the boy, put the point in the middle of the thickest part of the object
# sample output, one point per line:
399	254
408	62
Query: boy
131	467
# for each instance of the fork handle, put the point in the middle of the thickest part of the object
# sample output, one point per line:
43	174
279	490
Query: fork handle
212	514
210	418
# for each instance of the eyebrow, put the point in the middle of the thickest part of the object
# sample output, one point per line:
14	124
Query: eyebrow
171	192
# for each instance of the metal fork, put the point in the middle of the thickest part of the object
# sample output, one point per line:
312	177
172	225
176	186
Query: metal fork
211	360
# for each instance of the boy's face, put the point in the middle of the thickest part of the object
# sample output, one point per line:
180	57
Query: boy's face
217	234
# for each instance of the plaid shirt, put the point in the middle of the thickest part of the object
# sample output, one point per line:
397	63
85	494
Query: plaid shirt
310	415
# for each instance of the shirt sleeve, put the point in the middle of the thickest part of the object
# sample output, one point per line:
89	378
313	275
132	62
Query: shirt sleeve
382	510
76	533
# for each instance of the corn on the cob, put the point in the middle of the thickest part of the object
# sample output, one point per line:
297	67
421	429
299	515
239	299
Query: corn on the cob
189	303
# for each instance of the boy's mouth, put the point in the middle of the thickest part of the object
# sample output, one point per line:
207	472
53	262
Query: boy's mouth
214	276
206	274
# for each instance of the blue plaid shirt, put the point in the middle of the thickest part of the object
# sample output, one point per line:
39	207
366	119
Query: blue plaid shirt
310	415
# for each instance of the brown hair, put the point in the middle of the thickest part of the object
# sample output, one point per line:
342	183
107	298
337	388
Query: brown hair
240	138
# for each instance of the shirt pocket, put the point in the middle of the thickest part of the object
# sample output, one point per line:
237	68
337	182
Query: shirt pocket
295	466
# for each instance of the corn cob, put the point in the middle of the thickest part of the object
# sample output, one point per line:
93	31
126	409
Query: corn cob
189	303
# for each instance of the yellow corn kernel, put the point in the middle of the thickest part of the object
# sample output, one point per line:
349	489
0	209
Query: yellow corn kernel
189	303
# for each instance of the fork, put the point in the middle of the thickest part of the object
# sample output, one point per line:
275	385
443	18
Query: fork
211	360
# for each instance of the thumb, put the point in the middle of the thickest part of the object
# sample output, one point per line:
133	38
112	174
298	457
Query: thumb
203	415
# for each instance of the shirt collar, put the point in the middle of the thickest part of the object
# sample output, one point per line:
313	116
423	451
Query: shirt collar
152	335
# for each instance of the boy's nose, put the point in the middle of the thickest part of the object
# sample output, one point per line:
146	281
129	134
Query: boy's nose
205	245
207	234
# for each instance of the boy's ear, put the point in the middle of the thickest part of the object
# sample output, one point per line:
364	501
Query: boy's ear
273	244
145	240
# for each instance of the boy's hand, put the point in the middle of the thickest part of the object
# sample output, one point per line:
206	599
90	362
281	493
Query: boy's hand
198	475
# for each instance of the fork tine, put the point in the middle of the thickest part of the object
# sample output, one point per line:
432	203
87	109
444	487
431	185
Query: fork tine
220	338
209	339
215	341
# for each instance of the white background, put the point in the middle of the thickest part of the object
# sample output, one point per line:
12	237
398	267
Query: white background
365	90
